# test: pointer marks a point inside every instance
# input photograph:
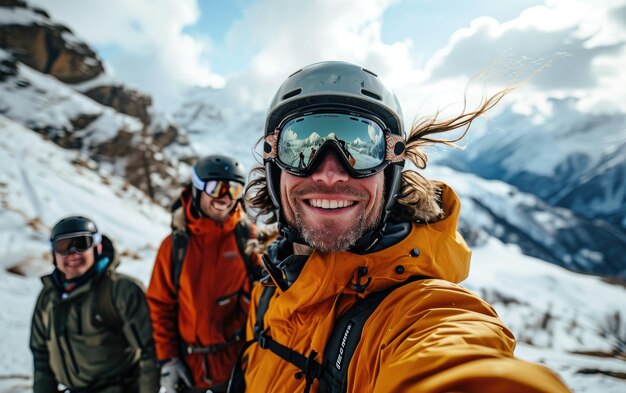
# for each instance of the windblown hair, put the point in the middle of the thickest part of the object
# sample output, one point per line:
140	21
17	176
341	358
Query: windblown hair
419	199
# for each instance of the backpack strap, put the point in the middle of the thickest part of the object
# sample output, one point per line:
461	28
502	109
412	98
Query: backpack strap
106	304
180	239
264	302
309	367
237	382
345	338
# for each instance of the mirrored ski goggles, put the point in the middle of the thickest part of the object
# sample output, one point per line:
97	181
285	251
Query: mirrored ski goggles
76	242
218	188
364	145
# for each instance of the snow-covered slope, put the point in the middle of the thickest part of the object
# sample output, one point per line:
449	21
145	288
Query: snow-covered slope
570	322
43	103
40	183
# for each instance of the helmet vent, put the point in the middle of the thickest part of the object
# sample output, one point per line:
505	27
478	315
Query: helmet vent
371	94
292	93
369	72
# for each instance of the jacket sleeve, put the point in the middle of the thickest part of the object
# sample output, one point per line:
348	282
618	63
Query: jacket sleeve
131	302
443	338
44	380
163	304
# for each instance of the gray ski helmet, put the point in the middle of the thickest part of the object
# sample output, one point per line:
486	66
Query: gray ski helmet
342	85
215	167
335	83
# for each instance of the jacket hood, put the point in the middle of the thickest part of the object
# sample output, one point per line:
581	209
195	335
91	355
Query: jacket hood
184	217
433	250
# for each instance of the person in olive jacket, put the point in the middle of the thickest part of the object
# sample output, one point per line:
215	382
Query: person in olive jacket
91	329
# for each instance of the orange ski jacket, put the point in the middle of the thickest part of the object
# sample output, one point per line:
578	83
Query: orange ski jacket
431	335
213	296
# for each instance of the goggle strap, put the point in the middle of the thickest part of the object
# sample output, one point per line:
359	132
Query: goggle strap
395	147
196	181
271	144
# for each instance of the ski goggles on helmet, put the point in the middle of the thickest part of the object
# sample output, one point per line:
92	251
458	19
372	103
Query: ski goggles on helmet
218	188
75	242
363	143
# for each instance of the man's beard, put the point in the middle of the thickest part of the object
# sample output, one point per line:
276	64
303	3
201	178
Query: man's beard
319	238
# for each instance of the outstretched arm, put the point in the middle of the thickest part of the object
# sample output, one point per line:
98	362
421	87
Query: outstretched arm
443	338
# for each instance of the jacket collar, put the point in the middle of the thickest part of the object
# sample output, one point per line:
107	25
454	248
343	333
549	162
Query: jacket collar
434	250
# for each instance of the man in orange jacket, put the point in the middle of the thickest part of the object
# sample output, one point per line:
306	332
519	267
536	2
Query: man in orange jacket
199	290
363	291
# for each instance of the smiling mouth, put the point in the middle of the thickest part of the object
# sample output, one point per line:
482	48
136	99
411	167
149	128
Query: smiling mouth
328	204
74	264
220	206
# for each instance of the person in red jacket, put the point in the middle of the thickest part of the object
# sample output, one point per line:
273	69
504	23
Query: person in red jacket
199	290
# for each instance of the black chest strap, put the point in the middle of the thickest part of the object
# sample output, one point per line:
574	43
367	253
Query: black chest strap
345	337
340	347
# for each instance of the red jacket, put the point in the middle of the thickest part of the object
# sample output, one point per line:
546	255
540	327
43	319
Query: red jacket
212	302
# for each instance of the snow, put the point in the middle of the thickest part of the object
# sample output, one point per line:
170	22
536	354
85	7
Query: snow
520	209
40	183
544	146
21	16
103	79
218	125
534	289
42	102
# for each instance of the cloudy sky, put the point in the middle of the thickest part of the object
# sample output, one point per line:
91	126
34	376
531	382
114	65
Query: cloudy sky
427	50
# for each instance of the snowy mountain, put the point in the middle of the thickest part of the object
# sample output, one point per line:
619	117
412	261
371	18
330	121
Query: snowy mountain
494	208
54	83
570	159
217	123
313	140
554	313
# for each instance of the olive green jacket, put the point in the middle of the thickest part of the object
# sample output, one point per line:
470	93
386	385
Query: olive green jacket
72	346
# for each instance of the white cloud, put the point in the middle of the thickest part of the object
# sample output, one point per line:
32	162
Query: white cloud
288	35
578	44
578	47
156	54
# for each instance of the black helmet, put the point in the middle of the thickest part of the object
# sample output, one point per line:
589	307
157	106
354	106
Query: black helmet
214	167
74	225
341	85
